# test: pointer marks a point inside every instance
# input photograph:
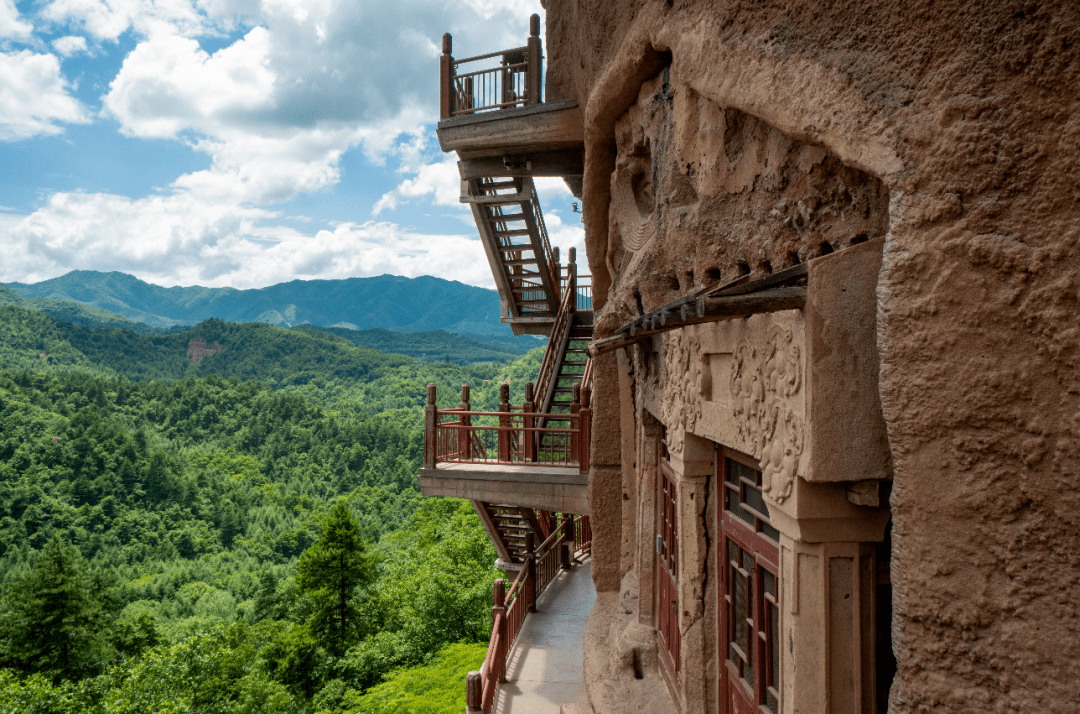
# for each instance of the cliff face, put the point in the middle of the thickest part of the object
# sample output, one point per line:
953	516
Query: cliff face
730	137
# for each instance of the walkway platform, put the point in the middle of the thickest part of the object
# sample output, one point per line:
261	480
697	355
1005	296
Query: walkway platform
545	670
548	488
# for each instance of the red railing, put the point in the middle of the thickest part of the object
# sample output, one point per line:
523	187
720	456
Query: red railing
507	436
513	82
510	609
557	341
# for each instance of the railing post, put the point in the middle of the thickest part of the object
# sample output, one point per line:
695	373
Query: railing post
586	431
530	575
527	434
499	611
465	434
571	279
536	63
474	693
575	424
431	430
446	78
504	423
568	532
566	549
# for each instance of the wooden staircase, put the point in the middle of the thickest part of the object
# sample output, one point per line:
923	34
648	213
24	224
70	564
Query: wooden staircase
512	230
536	299
570	367
508	525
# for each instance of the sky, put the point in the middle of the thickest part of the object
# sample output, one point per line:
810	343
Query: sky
241	143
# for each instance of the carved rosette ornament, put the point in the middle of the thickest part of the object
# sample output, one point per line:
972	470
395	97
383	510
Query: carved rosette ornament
763	384
680	383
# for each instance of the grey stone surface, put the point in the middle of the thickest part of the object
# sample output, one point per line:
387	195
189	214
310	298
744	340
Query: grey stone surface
545	669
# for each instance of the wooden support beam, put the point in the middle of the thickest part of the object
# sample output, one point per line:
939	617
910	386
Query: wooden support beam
708	309
561	163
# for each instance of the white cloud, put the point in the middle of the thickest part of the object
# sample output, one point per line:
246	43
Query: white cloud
34	96
69	45
108	19
168	84
11	26
181	239
275	110
441	181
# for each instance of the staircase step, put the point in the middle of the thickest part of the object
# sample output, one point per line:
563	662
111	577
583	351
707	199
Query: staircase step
509	217
522	261
574	363
512	233
517	248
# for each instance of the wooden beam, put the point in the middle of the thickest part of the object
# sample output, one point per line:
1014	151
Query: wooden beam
536	127
707	309
561	163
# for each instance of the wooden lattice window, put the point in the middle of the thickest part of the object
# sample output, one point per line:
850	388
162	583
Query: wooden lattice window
667	568
743	499
750	596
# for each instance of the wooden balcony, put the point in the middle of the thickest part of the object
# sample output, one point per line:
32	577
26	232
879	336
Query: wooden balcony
493	114
516	455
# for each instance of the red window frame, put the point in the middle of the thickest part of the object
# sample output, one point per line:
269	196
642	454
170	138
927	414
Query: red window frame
749	596
667	567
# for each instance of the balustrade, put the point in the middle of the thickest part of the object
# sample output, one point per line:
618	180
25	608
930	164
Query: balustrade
510	608
508	436
513	82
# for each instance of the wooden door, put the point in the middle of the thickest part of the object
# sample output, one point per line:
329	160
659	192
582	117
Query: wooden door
667	572
749	622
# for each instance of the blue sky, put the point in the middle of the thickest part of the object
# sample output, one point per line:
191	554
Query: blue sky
240	142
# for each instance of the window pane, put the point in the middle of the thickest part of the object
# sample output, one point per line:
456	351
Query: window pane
732	504
768	583
769	532
773	643
732	552
753	498
739	616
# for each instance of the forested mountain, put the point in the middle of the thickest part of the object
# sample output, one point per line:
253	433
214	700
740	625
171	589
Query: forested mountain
168	529
436	345
76	313
393	302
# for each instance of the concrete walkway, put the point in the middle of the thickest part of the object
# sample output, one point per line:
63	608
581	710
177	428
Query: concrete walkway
545	667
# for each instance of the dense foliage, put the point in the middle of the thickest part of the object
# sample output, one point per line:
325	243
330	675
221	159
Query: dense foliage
206	542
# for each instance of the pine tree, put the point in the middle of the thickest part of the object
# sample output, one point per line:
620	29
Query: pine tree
331	571
52	619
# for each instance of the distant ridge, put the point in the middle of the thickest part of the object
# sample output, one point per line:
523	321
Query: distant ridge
389	301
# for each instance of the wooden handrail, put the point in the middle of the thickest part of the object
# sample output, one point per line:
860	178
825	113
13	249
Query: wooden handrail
515	82
481	687
507	436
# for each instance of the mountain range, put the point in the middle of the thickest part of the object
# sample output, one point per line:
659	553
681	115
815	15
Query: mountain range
388	301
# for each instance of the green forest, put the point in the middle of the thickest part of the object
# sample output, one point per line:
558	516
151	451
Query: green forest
237	533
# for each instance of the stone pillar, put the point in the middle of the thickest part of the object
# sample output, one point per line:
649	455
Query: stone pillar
827	623
605	475
629	449
648	447
693	467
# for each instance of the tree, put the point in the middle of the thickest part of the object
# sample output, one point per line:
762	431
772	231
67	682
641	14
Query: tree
331	571
52	619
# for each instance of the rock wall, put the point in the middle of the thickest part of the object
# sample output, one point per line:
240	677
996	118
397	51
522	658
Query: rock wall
730	137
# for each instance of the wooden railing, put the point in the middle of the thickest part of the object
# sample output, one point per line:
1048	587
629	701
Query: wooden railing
508	436
557	339
514	82
559	551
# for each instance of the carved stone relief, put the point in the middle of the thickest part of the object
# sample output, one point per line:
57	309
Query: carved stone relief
764	379
680	385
